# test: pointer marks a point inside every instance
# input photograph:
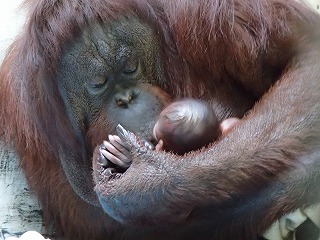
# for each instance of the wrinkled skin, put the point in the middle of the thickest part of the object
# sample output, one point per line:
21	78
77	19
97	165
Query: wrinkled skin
80	68
162	187
116	80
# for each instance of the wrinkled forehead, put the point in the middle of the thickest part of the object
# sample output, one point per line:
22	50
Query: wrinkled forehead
109	44
119	36
102	48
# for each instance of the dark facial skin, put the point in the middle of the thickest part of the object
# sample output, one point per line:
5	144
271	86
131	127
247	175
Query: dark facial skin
136	108
79	68
121	85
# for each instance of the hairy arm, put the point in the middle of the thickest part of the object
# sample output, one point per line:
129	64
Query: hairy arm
269	151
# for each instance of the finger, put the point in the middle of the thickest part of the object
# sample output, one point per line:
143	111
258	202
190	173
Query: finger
102	161
114	159
113	150
124	134
159	145
119	144
128	137
228	124
118	140
148	144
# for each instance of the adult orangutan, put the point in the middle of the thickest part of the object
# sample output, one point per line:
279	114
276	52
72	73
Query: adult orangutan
75	72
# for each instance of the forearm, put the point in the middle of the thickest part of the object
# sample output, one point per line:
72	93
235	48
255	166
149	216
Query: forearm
271	140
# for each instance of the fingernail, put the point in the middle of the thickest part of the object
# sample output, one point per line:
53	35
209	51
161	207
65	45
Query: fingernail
102	161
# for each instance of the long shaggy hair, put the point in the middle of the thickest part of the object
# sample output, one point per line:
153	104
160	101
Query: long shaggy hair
195	37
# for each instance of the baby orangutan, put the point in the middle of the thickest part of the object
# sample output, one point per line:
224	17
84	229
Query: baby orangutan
183	126
186	125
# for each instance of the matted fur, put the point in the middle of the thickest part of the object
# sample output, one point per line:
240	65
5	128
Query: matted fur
195	36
